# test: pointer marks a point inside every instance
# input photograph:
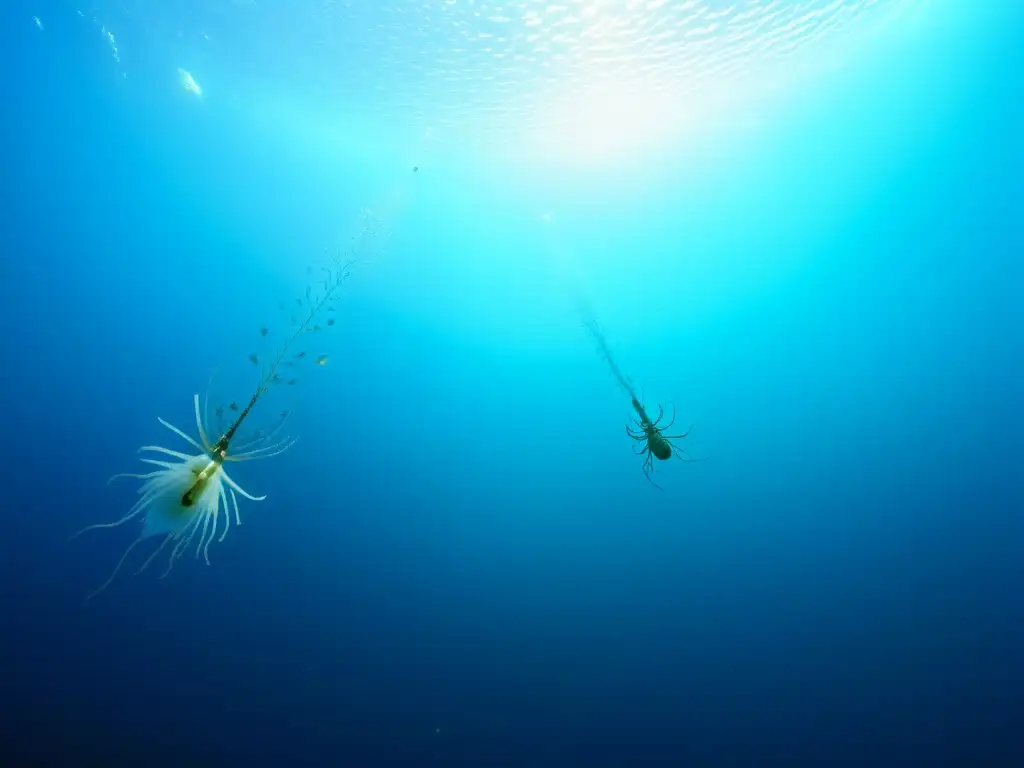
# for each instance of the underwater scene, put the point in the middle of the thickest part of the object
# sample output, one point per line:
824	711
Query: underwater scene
537	383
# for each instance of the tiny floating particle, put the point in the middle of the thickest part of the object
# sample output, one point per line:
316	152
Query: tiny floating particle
188	82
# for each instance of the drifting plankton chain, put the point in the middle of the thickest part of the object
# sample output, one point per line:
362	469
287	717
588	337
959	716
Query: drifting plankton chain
188	494
648	432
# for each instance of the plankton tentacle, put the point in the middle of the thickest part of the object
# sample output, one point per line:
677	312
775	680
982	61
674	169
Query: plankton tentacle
264	453
135	476
203	537
117	568
208	447
156	552
182	435
158	463
136	509
234	500
245	446
235	486
184	539
165	451
227	513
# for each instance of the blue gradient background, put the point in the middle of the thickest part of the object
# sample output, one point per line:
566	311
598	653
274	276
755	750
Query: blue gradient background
461	563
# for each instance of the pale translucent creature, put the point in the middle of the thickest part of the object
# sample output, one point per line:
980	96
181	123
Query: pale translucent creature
188	496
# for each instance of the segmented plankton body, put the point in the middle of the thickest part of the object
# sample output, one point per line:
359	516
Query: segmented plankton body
654	444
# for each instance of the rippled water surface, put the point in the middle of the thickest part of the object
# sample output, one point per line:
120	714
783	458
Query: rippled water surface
489	69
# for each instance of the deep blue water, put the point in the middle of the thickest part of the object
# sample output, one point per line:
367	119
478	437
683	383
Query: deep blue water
461	562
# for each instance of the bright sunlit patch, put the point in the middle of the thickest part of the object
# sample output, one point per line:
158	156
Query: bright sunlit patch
188	82
601	120
610	119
